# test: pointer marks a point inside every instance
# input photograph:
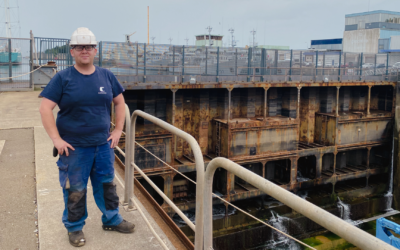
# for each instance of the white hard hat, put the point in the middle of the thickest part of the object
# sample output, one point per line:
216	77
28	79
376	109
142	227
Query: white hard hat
82	36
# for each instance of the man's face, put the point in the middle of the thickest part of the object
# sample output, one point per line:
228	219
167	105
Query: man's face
83	54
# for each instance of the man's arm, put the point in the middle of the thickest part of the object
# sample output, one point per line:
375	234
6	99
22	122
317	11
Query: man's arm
46	112
119	104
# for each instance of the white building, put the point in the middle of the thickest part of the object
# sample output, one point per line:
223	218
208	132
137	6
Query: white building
370	32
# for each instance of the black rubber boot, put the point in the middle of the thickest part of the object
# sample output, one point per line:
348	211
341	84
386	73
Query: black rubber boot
123	227
77	238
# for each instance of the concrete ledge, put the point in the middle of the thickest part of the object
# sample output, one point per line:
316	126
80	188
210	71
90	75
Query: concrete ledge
52	233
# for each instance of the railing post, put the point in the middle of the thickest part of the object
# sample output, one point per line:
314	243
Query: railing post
129	179
144	68
387	64
206	59
323	64
173	60
9	60
217	64
340	64
236	62
32	41
137	59
361	63
249	58
183	61
316	65
291	63
199	161
100	54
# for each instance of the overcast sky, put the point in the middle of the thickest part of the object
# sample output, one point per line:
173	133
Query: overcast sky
277	22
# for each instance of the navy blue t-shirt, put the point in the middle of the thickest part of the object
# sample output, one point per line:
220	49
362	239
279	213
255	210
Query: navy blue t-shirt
85	105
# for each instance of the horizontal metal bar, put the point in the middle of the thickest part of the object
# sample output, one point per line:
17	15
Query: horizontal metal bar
161	193
352	234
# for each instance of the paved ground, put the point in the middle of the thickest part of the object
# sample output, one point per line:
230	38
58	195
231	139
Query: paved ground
17	190
28	151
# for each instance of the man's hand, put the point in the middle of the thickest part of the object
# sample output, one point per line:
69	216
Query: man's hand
114	137
62	146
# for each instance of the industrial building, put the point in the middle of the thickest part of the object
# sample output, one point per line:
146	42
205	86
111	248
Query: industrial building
209	40
370	32
327	44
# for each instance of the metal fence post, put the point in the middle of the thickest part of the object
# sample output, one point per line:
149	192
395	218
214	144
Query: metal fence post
206	60
183	61
290	63
323	64
376	55
217	73
340	64
9	60
387	63
249	58
263	64
31	43
144	68
173	60
137	59
101	54
361	62
236	62
316	64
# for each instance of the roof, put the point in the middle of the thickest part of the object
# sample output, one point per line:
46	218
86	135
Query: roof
373	12
327	41
389	50
207	35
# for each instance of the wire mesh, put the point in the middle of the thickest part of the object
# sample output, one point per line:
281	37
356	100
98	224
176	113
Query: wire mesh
15	62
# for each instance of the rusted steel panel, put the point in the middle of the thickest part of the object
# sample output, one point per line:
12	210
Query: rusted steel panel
159	146
188	121
204	118
179	122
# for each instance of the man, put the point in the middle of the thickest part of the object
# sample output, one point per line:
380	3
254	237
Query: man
84	94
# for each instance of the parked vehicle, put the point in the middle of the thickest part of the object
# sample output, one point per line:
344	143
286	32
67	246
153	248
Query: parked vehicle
368	65
381	65
396	65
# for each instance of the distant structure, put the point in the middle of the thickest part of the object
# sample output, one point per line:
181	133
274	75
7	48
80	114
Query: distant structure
209	40
273	47
327	44
372	32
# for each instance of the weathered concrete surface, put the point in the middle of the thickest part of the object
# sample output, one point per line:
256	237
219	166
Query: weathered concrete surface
17	189
53	235
25	149
19	109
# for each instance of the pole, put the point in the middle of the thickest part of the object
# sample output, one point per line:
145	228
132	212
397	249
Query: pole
9	60
144	55
100	54
137	58
340	64
361	62
31	60
148	25
217	63
206	59
183	60
173	60
291	61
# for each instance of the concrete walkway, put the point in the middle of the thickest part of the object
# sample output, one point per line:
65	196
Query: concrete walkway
20	110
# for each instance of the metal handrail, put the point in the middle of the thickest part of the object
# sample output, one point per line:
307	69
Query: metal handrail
130	159
329	221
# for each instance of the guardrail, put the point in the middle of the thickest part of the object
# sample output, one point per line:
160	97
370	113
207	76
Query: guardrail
130	164
352	234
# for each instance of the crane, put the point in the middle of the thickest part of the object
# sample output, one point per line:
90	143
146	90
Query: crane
128	36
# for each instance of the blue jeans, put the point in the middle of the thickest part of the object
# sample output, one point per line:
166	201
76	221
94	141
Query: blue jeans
74	170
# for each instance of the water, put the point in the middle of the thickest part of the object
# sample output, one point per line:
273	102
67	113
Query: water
389	194
302	194
300	177
344	211
280	241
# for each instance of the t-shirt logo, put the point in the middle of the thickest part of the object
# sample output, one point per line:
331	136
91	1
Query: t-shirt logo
102	91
